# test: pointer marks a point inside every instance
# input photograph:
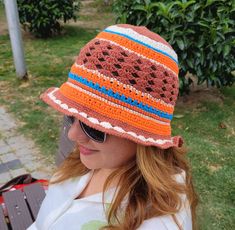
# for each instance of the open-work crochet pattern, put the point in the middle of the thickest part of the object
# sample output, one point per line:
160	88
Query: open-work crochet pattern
124	82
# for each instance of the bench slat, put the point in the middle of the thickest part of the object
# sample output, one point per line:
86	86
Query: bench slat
35	194
18	213
3	224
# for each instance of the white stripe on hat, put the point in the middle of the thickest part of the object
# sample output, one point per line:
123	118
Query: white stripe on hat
134	35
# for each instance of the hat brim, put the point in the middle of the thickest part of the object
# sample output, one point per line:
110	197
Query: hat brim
58	101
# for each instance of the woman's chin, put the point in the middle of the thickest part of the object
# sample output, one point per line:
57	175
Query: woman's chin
89	163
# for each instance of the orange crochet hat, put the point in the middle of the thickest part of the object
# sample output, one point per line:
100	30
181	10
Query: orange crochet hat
125	83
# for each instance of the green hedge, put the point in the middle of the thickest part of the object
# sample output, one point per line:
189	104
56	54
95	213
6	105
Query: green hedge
201	32
42	17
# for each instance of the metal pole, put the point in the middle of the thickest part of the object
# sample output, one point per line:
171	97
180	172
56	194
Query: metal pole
15	37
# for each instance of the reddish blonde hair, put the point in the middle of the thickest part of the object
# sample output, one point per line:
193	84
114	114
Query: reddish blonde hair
148	180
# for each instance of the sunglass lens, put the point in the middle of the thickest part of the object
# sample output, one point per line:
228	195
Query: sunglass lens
70	119
94	134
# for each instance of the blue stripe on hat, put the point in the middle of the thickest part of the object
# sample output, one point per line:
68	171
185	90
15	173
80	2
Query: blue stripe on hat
122	97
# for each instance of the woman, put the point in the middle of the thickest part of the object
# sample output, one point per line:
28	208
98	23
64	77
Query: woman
127	171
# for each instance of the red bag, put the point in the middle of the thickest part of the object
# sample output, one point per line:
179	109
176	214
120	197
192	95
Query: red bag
19	182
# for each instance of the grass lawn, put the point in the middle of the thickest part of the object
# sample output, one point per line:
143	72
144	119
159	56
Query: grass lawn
208	127
206	120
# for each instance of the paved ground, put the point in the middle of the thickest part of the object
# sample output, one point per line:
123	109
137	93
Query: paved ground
18	154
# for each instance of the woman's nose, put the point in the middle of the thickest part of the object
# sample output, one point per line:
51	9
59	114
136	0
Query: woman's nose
76	133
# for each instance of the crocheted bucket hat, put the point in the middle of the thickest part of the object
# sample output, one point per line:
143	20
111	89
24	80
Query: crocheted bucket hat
124	82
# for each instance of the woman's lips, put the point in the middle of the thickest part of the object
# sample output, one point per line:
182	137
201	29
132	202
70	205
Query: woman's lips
85	151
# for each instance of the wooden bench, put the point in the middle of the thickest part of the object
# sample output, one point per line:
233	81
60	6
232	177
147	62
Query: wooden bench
21	208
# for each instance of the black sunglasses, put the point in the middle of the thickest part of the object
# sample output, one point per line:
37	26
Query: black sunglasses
92	133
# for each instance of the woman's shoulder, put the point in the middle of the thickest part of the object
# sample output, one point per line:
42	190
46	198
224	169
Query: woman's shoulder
180	177
167	222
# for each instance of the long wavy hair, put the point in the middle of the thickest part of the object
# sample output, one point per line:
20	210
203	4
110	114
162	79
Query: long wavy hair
148	182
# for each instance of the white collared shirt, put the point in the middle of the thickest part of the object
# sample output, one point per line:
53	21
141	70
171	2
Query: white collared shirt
61	211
